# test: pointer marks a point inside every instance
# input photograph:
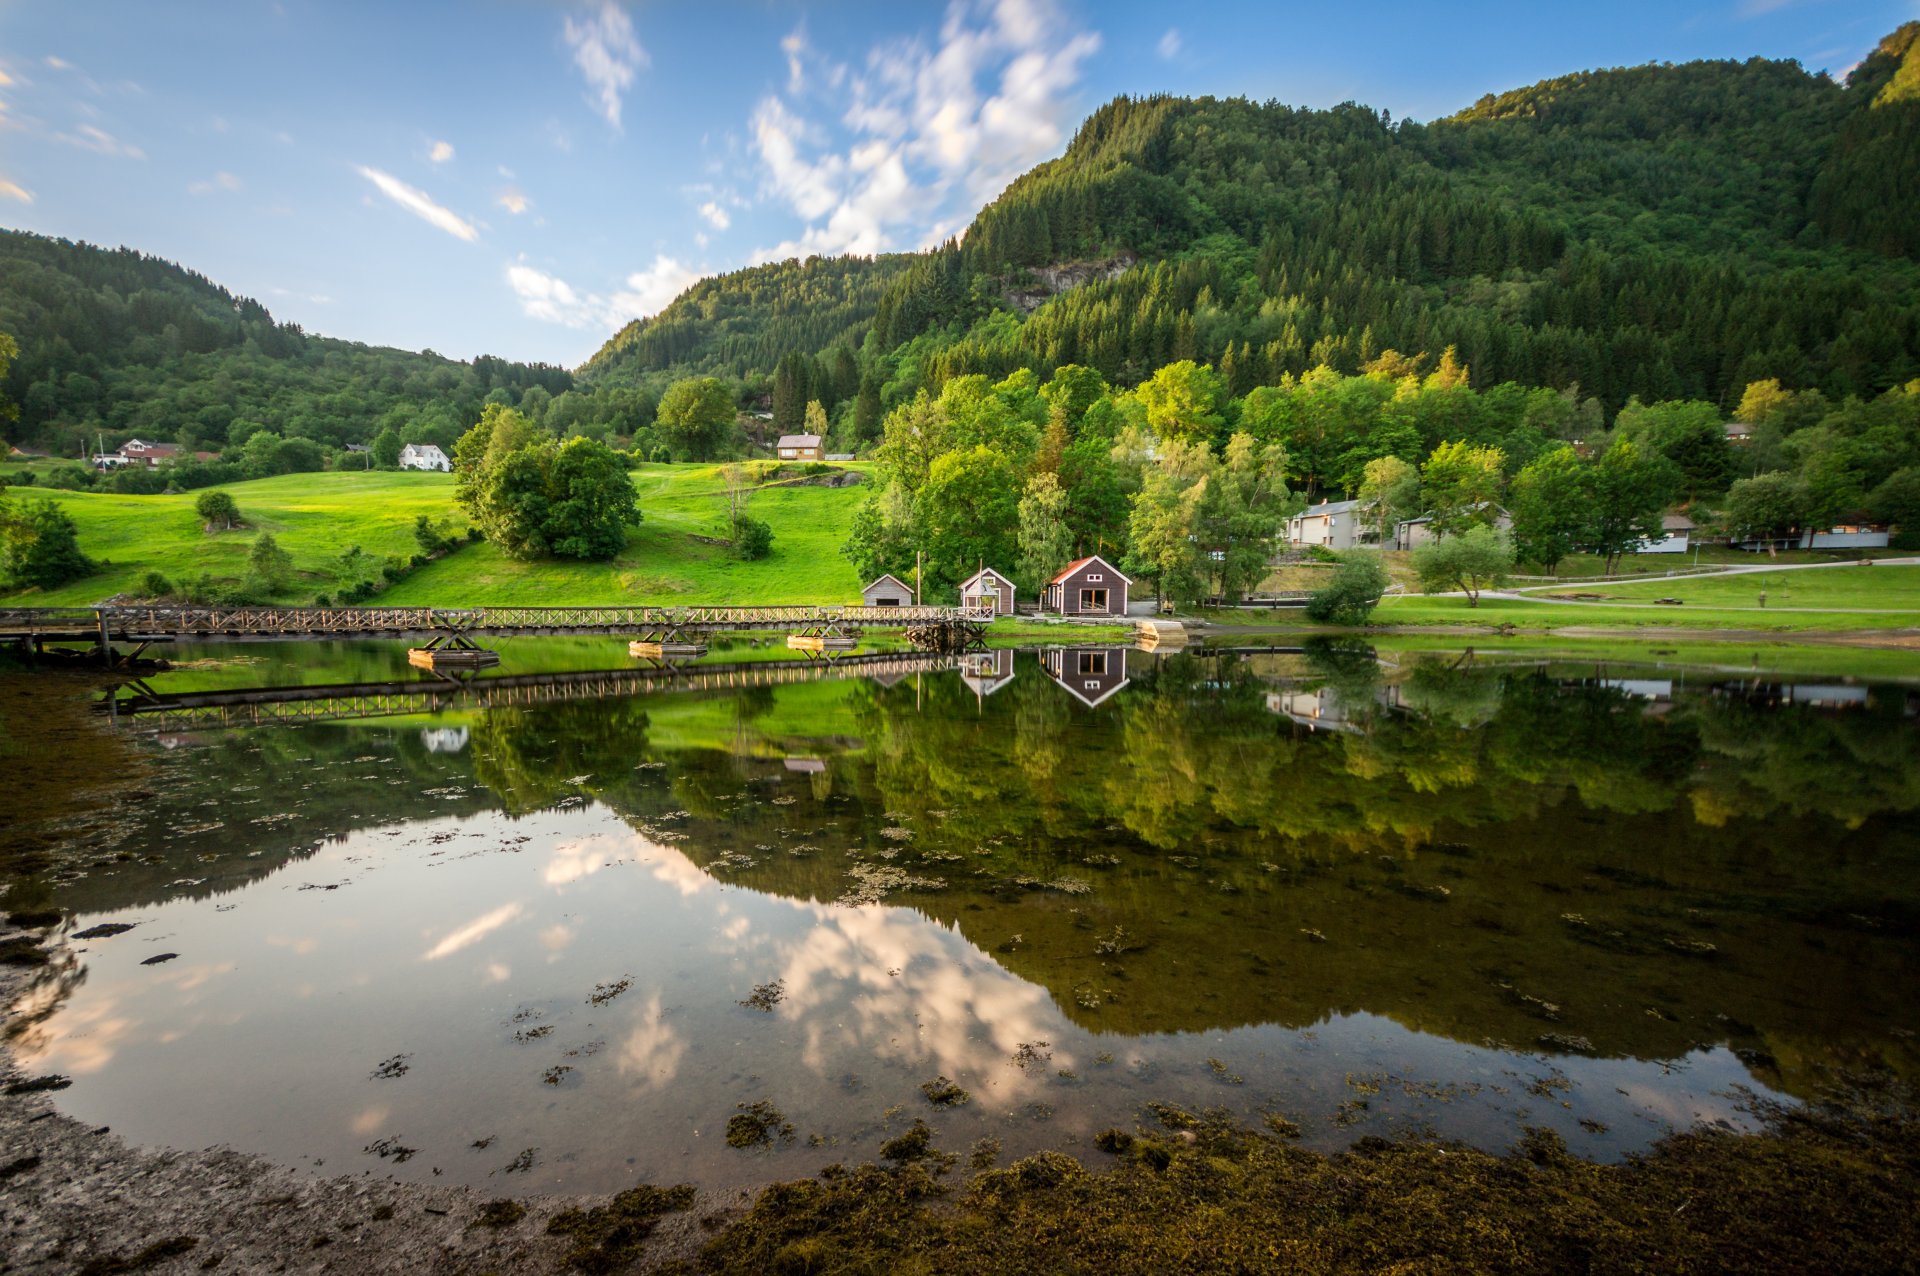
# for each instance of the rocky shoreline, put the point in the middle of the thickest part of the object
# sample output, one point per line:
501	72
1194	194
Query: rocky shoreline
76	1199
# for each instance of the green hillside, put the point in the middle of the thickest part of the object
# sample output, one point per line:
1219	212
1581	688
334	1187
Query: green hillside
1661	231
318	517
116	343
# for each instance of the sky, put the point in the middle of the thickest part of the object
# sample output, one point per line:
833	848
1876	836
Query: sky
521	178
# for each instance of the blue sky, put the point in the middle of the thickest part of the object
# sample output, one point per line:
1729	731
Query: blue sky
520	178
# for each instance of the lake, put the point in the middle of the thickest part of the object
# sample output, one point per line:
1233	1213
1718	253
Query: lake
570	924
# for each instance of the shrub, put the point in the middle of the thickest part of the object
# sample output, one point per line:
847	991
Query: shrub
217	510
42	546
155	585
269	568
68	478
1355	590
751	538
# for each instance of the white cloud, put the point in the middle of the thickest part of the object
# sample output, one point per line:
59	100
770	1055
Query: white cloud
716	214
100	142
607	53
513	199
441	152
13	190
553	300
1169	46
417	202
473	932
218	182
58	64
934	130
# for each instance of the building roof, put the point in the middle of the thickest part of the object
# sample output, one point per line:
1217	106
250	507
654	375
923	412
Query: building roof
422	449
163	449
1739	430
1328	507
884	577
1676	523
986	571
1499	510
798	440
1078	563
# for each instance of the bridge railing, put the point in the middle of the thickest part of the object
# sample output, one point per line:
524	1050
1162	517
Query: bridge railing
188	620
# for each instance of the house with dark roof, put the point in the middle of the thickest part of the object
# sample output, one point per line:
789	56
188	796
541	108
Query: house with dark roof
799	447
1333	524
1088	586
1676	529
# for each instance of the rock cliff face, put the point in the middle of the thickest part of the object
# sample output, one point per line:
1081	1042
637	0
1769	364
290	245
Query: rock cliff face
1042	285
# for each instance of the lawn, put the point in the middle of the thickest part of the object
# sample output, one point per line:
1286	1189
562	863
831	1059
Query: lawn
1416	609
314	517
1894	588
670	556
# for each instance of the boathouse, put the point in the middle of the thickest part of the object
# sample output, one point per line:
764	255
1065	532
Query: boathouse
888	591
1087	587
987	592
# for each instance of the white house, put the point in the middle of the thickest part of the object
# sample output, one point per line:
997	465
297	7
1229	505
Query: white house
424	456
1412	533
1678	528
1839	536
1334	524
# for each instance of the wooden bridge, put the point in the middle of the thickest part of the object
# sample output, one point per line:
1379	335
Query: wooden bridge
37	627
145	710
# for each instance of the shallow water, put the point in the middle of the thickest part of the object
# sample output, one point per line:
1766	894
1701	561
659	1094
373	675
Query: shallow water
506	938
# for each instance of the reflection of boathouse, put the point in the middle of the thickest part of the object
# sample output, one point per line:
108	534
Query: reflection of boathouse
444	739
1090	673
985	672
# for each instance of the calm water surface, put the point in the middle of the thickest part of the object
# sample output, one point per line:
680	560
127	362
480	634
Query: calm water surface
508	935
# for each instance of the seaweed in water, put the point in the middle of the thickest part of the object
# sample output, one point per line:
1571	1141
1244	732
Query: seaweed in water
608	1238
766	996
757	1123
943	1093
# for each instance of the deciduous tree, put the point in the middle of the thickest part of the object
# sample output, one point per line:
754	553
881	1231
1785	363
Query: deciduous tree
1470	561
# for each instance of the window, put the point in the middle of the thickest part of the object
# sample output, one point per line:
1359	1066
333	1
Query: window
886	602
1093	662
1095	576
786	452
1093	600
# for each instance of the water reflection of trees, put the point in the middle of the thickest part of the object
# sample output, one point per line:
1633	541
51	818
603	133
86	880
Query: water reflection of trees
1504	854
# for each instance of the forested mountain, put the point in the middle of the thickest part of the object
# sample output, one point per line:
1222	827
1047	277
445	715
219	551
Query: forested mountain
114	342
1661	231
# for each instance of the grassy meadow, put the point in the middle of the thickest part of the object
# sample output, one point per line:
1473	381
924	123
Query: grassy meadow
671	555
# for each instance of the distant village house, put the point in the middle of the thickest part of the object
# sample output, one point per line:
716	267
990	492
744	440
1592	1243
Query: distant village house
1333	524
799	447
1087	587
1678	529
424	456
141	452
1412	533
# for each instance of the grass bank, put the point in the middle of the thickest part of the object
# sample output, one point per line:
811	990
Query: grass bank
674	555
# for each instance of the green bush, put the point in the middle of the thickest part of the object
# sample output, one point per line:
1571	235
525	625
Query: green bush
751	538
217	510
156	585
1355	590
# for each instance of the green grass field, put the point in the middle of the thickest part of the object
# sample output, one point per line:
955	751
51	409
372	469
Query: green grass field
315	517
665	561
1415	609
1892	588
